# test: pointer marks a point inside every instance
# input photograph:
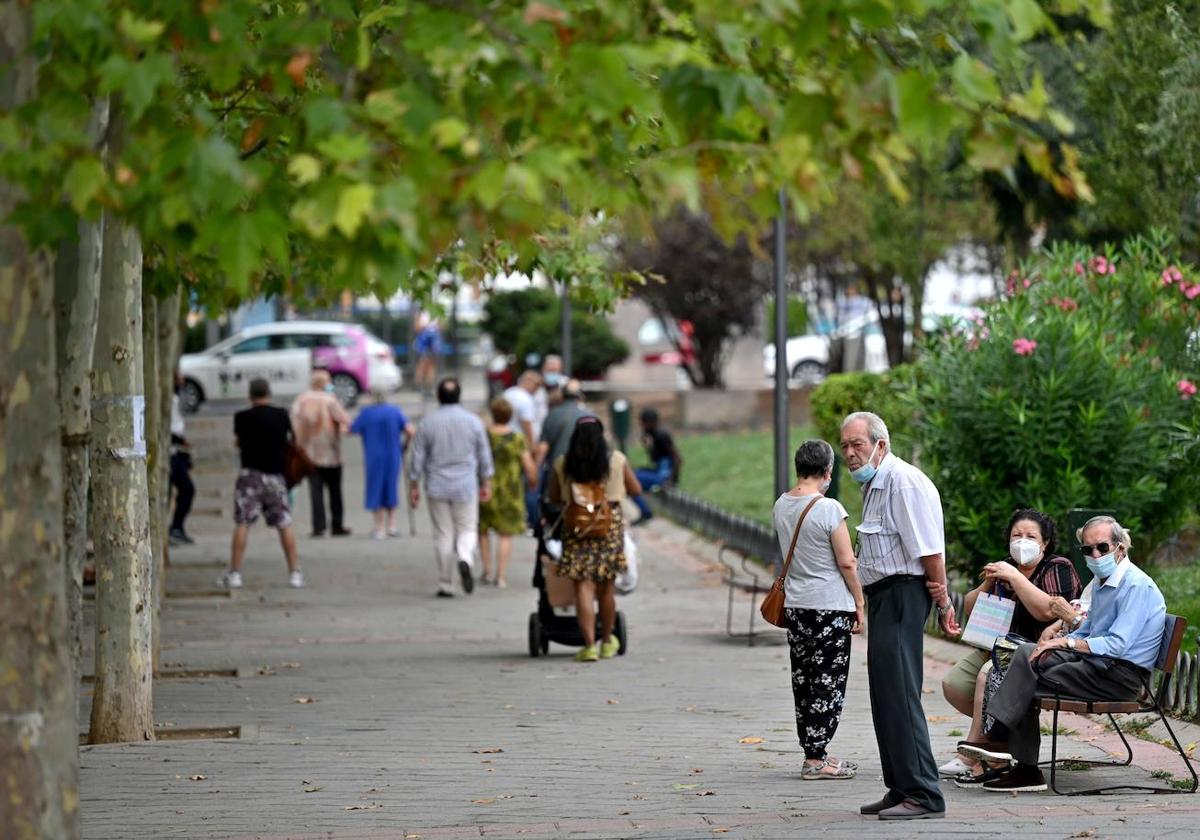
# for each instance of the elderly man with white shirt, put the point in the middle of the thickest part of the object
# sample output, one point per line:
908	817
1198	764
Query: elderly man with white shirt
901	565
1107	657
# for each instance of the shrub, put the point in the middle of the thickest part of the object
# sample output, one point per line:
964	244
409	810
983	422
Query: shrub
1073	390
883	393
594	346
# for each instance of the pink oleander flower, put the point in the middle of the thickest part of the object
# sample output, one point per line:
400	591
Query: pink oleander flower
1190	292
1066	304
1101	265
1079	269
1171	274
1024	346
1186	388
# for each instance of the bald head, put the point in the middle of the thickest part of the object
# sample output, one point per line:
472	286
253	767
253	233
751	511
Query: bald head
530	380
319	379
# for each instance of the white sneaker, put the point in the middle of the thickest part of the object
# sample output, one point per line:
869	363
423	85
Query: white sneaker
296	579
953	768
378	535
230	580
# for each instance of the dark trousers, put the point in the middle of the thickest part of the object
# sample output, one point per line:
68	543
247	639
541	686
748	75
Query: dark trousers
1074	675
185	490
321	478
896	611
819	645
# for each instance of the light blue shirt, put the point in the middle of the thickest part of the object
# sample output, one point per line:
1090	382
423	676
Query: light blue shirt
1126	617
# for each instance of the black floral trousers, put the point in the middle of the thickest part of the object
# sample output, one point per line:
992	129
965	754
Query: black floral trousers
819	641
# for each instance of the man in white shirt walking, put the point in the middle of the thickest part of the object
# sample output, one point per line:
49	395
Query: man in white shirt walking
521	398
900	563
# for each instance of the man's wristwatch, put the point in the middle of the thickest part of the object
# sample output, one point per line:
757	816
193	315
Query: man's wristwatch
1070	643
943	610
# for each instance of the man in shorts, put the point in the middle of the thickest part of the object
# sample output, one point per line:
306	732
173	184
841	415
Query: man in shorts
262	431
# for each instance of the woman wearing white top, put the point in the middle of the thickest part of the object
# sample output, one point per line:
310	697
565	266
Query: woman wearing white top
823	602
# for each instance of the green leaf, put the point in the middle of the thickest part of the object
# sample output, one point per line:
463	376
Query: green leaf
449	132
238	250
354	203
304	169
345	148
923	117
733	41
974	80
1027	18
83	181
385	106
487	185
138	30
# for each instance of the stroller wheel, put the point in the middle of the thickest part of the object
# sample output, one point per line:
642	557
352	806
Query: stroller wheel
620	632
537	645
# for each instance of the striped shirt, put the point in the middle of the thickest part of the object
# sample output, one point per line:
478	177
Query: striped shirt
902	522
451	452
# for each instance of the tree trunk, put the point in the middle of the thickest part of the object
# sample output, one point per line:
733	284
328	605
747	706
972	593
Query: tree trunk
154	457
39	754
77	293
122	705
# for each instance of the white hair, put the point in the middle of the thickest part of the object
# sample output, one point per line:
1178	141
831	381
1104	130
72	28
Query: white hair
1120	535
876	428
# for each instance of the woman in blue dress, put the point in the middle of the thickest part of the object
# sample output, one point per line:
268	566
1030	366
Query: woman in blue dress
384	430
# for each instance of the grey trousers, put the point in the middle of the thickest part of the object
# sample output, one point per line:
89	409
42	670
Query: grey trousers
896	611
1074	675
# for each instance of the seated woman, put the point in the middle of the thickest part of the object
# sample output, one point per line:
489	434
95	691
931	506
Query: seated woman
1035	577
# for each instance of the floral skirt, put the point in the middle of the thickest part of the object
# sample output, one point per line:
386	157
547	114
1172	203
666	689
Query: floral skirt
595	558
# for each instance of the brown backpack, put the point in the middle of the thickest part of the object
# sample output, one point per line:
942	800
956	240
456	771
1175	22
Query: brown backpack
588	513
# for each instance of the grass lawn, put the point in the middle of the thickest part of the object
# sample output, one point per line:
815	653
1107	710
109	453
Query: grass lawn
734	471
1180	586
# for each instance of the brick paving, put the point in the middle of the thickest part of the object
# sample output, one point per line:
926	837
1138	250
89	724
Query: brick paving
370	709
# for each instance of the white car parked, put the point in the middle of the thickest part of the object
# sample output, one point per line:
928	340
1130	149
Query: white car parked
285	353
808	355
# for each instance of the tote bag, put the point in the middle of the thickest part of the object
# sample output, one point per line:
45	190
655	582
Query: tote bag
990	619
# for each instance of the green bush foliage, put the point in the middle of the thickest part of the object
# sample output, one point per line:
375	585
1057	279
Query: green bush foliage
505	314
594	346
882	393
1074	390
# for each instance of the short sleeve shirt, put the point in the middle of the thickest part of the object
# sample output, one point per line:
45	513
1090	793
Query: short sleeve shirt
524	410
814	581
901	522
262	435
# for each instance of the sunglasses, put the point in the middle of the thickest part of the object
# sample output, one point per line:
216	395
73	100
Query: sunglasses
1099	548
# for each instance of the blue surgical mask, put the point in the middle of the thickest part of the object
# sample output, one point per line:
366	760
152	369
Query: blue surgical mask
329	389
1102	567
825	486
867	471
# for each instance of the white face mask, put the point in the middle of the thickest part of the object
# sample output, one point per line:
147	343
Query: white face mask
1024	550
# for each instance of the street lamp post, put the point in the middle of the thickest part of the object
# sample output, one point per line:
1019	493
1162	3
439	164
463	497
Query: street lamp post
565	327
781	371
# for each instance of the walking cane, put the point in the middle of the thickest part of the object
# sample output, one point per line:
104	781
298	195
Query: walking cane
412	514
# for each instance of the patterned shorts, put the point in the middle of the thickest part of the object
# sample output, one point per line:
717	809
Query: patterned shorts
259	493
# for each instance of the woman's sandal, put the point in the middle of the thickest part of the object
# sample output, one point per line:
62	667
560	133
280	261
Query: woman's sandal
818	772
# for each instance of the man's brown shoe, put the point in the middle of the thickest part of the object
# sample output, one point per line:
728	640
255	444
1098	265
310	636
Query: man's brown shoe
909	810
875	807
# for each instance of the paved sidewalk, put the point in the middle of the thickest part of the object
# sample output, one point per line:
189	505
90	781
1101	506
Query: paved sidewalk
370	709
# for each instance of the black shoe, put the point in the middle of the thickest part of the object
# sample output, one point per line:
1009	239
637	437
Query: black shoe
875	807
316	534
468	580
340	532
1023	778
442	593
969	781
179	535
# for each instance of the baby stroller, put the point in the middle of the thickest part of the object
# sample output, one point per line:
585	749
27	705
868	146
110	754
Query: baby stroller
555	620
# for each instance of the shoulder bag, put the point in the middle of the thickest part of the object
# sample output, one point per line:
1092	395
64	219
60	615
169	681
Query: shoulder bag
772	605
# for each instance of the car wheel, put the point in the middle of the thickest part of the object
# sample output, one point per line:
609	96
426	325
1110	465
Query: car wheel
190	396
808	372
346	388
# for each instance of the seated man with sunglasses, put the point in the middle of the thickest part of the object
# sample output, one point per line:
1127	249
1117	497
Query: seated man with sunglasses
1119	642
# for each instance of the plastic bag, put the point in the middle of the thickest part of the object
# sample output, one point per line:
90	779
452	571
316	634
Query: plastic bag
627	578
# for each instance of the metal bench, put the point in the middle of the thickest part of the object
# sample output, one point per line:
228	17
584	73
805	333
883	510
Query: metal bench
746	580
1152	702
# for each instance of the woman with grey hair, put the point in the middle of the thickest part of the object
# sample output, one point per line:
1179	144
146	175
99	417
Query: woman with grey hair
823	603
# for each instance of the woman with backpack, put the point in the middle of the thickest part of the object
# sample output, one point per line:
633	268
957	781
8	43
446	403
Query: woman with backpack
589	483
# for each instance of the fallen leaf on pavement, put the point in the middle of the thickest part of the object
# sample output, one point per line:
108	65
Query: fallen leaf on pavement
696	771
491	800
1087	832
638	796
370	807
683	787
197	778
314	789
720	830
927	691
622	813
706	793
690	709
304	700
488	750
613	702
750	739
